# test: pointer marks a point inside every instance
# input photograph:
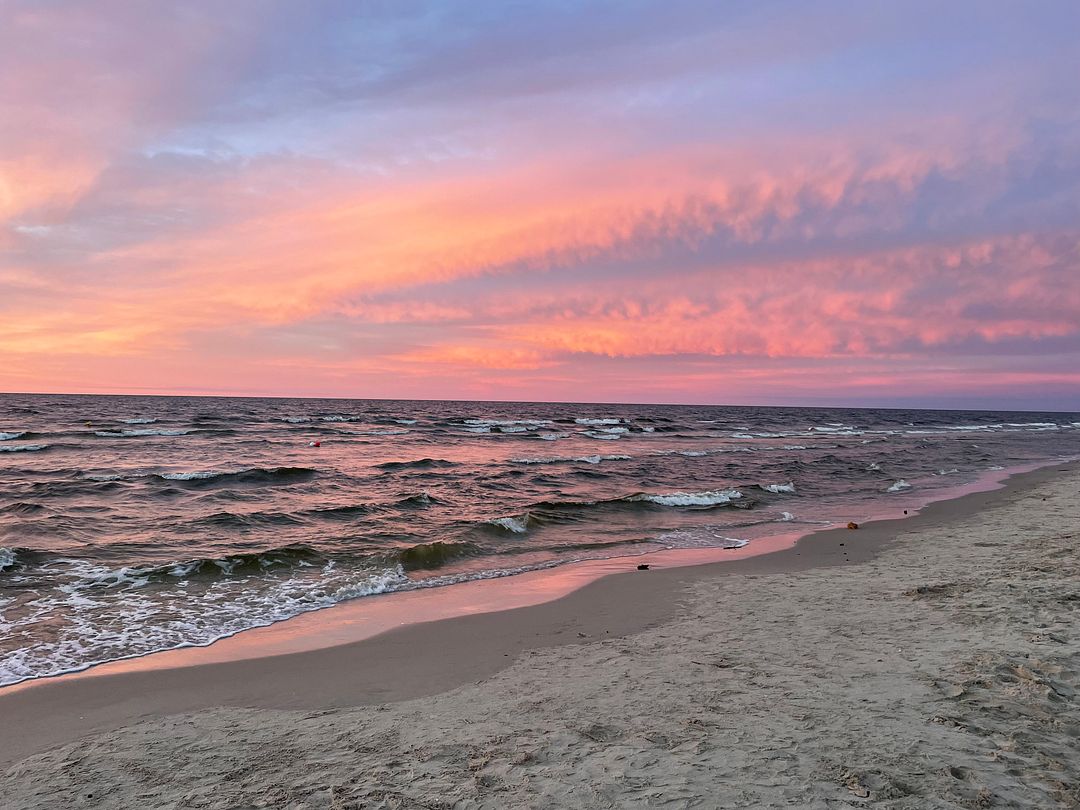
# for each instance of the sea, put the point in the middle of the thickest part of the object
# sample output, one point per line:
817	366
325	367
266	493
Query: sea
135	524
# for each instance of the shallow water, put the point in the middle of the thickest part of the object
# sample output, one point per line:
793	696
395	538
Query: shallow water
132	524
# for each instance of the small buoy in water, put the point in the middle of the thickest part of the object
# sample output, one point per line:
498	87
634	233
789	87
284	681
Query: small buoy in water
643	567
314	444
853	525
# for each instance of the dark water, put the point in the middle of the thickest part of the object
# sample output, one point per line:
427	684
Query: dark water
132	524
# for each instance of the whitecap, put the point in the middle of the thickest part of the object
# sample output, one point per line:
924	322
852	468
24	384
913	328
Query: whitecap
517	525
8	436
899	486
22	448
552	437
192	476
594	459
490	423
776	489
715	497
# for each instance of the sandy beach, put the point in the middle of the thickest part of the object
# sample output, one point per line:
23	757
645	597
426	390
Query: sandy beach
930	662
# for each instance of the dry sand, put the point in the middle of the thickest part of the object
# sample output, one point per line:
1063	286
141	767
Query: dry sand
938	671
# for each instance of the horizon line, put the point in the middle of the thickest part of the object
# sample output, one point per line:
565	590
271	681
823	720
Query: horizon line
536	402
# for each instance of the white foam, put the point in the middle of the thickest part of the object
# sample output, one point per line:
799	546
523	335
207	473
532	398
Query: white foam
7	557
786	517
703	537
714	497
139	420
192	476
947	472
8	436
22	448
587	421
295	420
552	437
899	486
502	423
776	489
835	428
144	432
592	434
223	609
405	421
517	525
595	459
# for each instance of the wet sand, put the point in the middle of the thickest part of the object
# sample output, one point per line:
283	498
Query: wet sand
912	660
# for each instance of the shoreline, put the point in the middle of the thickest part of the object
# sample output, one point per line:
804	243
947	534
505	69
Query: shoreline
433	657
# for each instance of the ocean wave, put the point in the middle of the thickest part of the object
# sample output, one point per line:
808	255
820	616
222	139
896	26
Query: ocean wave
777	489
425	556
4	437
217	614
714	497
517	525
504	423
552	437
589	421
703	537
22	508
594	459
266	475
7	558
128	434
899	486
416	464
23	448
837	429
139	420
419	499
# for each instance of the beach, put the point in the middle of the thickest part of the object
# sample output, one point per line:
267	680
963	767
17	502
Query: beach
923	662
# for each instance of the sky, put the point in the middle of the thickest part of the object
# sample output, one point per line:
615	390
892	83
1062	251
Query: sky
849	203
